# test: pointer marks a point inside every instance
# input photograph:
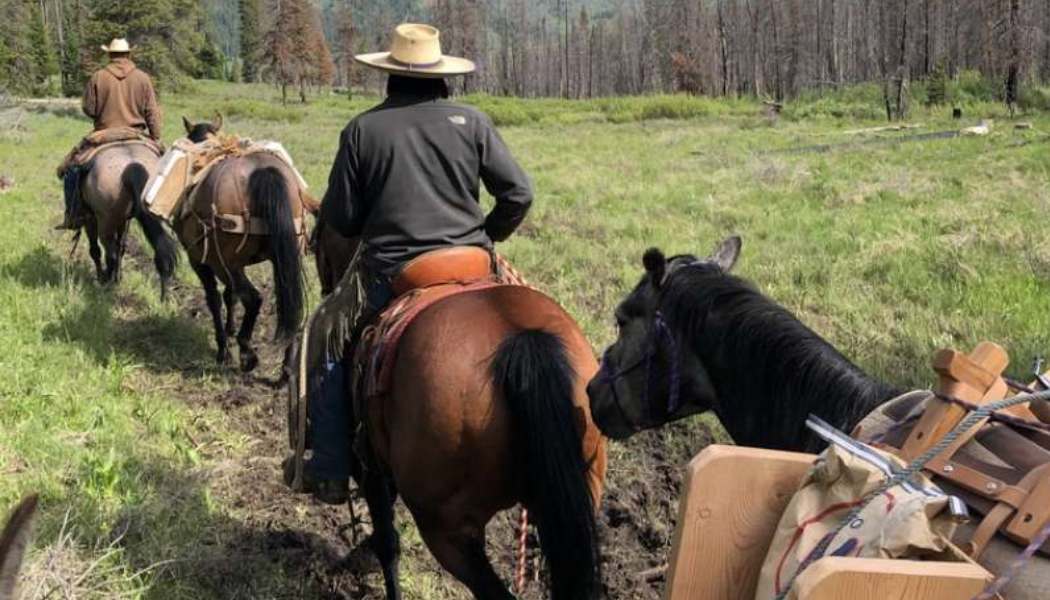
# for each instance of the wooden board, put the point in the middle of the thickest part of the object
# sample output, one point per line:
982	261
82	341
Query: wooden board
732	500
731	503
835	578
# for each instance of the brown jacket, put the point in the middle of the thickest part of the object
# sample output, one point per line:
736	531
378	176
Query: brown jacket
121	95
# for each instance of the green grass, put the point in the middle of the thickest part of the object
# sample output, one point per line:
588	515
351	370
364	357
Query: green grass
889	251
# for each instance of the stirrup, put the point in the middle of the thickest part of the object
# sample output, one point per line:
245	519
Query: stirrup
328	491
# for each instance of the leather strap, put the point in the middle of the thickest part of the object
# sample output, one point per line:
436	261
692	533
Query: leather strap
977	482
987	529
1012	498
1033	514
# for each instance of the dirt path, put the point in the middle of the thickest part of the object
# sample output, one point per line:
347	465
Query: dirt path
314	546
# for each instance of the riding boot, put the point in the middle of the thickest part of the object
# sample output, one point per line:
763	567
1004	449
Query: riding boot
71	188
327	472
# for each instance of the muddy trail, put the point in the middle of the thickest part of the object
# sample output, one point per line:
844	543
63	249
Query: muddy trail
318	548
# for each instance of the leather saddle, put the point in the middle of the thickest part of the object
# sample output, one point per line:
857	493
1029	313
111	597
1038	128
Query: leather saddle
459	264
421	283
1000	467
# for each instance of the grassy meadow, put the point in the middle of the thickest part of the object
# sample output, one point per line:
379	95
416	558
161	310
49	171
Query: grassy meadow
111	408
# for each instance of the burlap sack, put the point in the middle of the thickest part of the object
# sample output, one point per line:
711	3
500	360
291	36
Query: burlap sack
908	521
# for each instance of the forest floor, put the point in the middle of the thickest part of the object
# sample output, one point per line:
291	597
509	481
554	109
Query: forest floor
159	471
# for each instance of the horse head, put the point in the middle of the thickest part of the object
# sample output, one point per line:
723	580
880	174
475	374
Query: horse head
199	132
13	543
651	376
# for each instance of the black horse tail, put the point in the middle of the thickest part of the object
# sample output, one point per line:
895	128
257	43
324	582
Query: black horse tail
269	201
14	539
534	375
165	251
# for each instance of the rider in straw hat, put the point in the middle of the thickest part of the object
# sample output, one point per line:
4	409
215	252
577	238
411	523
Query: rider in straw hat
406	181
120	95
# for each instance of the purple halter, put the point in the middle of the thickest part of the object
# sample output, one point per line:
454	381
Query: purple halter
658	331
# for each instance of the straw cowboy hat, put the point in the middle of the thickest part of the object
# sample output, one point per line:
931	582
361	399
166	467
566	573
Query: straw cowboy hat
117	46
416	52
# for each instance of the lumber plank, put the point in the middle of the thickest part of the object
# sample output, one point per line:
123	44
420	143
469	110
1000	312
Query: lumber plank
732	500
835	578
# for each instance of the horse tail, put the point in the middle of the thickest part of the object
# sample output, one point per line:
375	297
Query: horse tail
532	371
13	543
269	201
165	251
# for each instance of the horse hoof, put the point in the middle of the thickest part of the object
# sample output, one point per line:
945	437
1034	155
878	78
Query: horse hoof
249	361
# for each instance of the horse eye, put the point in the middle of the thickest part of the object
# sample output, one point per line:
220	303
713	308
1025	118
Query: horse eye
620	322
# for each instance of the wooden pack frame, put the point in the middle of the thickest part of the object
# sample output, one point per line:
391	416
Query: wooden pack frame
732	500
1015	504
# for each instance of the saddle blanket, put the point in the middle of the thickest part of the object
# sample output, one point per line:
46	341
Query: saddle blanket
96	141
376	352
186	164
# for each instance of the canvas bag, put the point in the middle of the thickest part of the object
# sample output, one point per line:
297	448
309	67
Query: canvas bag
908	521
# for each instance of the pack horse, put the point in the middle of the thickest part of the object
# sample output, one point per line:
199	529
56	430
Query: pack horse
243	205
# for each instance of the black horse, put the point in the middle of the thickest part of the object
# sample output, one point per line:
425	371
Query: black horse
693	338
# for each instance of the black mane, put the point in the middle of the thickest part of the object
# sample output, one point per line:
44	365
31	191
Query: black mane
769	370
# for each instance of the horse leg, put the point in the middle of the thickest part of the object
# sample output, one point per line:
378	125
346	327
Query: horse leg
211	296
385	541
93	248
230	300
121	248
461	551
109	245
252	301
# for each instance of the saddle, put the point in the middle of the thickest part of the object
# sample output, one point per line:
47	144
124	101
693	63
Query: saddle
171	190
1000	467
423	282
96	141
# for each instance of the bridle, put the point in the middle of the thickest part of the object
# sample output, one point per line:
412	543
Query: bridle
658	331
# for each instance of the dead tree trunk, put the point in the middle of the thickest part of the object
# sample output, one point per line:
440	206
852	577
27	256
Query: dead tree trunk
1013	71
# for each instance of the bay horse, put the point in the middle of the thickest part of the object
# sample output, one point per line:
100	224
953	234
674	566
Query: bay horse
264	187
111	191
501	420
14	540
694	338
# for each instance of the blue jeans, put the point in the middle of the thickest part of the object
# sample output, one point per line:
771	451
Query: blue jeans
71	188
332	421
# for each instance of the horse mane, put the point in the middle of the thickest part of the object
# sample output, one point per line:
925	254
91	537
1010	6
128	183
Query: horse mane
769	370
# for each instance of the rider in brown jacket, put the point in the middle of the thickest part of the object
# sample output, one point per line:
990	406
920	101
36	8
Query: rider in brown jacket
120	95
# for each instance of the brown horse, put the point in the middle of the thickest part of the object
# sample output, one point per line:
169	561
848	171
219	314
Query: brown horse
111	190
264	188
332	255
13	543
503	420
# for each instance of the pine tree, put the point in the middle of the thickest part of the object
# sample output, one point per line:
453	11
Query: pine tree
16	65
345	34
73	74
165	33
42	54
295	48
278	44
250	39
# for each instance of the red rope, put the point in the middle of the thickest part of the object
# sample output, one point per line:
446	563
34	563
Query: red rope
519	580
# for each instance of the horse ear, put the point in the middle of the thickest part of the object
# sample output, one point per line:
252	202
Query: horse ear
13	544
727	253
656	265
186	123
216	123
